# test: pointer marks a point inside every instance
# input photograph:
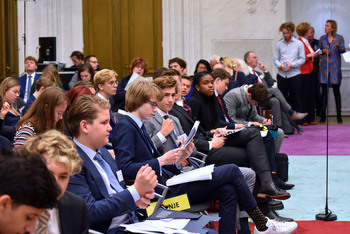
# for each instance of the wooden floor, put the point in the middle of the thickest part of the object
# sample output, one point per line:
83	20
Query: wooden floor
333	120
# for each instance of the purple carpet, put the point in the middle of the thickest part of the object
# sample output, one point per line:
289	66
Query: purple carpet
313	141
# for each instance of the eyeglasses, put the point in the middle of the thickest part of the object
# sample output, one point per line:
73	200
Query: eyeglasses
153	104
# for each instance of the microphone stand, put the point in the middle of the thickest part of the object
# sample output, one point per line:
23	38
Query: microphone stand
327	215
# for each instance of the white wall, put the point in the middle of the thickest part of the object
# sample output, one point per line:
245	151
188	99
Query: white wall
50	18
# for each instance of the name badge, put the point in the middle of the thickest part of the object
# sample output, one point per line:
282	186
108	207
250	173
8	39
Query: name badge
175	203
120	176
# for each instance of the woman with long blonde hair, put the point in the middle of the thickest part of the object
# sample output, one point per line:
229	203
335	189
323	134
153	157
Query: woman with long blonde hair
46	113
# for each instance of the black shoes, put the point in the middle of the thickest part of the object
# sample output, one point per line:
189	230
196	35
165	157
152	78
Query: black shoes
271	191
281	184
276	205
273	215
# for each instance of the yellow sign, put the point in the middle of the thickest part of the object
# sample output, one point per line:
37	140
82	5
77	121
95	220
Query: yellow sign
175	203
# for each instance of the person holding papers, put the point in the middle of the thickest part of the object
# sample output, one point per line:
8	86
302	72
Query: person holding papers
100	183
138	67
332	45
134	149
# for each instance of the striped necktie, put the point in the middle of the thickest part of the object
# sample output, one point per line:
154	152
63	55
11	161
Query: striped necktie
43	221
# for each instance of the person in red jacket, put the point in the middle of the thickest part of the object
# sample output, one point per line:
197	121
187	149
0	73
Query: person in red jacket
307	77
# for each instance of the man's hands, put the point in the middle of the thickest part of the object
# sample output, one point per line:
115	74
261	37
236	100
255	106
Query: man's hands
145	182
167	127
286	66
267	121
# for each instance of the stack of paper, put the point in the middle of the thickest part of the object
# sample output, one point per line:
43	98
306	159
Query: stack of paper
158	226
203	173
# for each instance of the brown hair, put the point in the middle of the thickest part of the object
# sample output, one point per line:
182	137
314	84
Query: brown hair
259	93
45	82
179	61
158	72
6	84
86	108
287	25
52	70
86	67
166	82
139	61
334	26
42	113
58	148
141	92
221	73
302	28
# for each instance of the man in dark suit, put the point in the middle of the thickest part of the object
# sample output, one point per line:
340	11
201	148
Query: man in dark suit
134	148
100	183
26	81
71	215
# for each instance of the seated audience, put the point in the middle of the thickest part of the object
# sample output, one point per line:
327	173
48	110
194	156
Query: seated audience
50	71
100	183
134	149
9	92
27	80
42	83
186	85
27	188
276	100
138	67
46	113
62	160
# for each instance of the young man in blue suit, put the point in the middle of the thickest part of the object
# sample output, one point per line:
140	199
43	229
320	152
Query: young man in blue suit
134	149
100	183
71	215
26	81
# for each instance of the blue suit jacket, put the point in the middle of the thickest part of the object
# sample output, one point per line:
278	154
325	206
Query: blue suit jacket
90	186
23	81
29	103
132	151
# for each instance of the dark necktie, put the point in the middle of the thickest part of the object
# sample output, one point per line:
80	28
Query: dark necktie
111	176
29	86
187	108
148	140
222	107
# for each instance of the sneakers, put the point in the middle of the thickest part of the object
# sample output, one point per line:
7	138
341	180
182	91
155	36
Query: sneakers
278	227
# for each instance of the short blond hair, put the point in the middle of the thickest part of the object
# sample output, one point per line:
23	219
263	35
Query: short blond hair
141	92
58	148
103	76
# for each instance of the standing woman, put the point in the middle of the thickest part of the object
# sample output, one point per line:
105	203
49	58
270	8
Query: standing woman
45	114
307	77
336	47
9	92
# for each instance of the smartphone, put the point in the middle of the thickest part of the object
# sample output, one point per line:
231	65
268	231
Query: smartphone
285	65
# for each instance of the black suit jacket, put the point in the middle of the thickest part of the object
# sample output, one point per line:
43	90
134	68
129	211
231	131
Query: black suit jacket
202	137
73	213
223	122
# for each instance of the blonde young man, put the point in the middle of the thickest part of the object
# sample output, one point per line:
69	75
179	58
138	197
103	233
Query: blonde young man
63	161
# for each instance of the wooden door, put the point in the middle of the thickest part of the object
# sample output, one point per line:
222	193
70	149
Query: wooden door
8	39
116	31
